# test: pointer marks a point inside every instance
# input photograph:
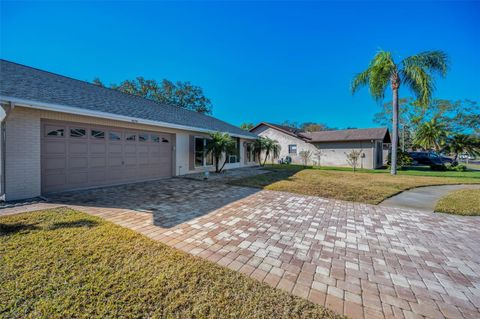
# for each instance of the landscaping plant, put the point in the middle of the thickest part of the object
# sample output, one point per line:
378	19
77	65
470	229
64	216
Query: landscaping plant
305	155
221	144
353	158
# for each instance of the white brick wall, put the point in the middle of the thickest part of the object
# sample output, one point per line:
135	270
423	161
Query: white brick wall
22	155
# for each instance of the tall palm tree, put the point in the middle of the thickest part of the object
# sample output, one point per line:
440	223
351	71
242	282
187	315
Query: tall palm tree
220	143
415	72
430	135
462	143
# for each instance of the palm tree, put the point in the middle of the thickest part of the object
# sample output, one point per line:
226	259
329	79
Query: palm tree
271	147
430	135
275	152
415	72
462	143
220	143
267	145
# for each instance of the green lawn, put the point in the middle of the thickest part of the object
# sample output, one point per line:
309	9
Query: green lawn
365	186
462	202
63	264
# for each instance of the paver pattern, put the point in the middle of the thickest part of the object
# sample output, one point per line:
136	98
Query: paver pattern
360	260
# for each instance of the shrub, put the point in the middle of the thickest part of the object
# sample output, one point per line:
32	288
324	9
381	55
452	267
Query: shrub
457	167
403	159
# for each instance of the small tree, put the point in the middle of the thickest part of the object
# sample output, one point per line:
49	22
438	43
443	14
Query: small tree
305	155
353	158
221	143
319	155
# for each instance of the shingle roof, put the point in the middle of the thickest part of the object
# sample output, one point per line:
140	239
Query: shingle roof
23	82
380	133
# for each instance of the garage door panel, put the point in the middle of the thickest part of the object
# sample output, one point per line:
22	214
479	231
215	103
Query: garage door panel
98	148
98	162
75	163
55	163
78	178
98	176
115	161
130	160
78	148
55	147
85	159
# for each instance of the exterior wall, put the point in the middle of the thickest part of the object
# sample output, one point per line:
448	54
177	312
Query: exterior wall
23	171
334	153
22	162
284	140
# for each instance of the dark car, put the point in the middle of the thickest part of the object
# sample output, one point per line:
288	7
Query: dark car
434	160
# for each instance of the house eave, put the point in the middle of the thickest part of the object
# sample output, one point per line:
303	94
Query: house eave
79	111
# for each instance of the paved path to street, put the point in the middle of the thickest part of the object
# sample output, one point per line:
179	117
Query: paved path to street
423	198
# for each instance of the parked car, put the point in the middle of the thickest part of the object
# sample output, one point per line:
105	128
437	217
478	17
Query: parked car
429	158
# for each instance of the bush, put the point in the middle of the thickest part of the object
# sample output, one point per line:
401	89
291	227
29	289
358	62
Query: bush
457	167
403	159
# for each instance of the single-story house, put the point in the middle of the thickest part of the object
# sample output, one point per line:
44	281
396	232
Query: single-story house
329	148
62	134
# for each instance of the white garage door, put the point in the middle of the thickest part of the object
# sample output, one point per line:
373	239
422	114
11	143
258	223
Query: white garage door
78	155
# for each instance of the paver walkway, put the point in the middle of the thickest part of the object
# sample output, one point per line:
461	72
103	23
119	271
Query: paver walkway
362	260
423	198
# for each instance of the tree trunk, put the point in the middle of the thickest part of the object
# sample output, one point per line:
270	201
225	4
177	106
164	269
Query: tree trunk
225	162
266	157
393	162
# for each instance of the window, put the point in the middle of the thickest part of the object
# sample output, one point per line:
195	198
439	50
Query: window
292	149
164	140
97	134
235	156
249	152
77	132
143	137
114	136
202	158
59	132
155	138
131	137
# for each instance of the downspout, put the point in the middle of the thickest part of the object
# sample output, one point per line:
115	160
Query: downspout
3	130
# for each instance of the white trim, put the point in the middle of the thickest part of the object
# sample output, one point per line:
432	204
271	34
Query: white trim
105	115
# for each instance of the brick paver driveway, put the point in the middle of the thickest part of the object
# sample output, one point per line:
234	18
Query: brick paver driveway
357	259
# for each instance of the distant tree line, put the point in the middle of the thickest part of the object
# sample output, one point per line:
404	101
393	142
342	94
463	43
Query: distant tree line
181	94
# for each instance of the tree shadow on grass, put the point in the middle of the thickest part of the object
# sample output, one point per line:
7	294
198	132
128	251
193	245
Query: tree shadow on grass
275	175
74	224
10	229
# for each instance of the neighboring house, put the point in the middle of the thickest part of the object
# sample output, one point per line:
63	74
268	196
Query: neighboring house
290	140
63	134
329	148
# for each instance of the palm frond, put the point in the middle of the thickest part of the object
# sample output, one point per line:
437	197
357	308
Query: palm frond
420	83
376	76
430	61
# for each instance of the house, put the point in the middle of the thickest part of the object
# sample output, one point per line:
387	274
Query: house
62	134
329	148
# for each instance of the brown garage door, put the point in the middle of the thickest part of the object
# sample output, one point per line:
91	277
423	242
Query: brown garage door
78	155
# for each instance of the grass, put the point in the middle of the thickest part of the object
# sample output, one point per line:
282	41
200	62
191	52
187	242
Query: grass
462	202
365	186
62	263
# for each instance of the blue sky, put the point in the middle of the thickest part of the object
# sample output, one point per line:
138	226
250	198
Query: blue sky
257	61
